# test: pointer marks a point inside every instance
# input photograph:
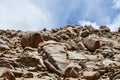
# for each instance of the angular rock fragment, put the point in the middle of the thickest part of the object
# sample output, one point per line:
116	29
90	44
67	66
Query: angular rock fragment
29	59
91	75
105	28
90	28
72	44
51	68
72	72
91	43
31	39
28	75
84	33
56	55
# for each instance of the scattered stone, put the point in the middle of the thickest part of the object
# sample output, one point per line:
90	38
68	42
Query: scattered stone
70	53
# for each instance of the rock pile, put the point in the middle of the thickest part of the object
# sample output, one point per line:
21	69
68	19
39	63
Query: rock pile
70	53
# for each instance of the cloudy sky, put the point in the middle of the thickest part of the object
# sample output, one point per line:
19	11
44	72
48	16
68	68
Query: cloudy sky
38	14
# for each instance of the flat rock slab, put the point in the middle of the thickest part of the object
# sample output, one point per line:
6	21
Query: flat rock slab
75	55
56	55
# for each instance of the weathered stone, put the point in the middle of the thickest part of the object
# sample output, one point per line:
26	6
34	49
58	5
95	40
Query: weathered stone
91	75
91	44
31	39
56	55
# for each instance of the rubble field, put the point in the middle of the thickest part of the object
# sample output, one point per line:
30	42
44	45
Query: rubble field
71	53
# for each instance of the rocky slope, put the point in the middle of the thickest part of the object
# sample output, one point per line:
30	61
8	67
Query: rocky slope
70	53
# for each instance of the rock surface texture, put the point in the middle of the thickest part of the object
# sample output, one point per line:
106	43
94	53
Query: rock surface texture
70	53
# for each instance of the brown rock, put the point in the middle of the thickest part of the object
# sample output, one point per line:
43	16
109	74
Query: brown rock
115	76
91	75
119	29
90	28
4	72
81	46
29	59
91	43
31	39
72	72
84	33
72	44
17	73
51	68
28	75
104	28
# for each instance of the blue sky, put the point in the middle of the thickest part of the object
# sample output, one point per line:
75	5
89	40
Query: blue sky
38	14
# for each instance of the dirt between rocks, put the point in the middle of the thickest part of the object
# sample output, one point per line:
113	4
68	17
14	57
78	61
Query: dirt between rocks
70	53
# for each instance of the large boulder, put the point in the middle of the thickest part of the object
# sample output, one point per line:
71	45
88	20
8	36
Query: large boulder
31	39
56	55
91	43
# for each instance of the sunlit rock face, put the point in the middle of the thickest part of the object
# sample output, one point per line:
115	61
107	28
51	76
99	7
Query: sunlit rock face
73	52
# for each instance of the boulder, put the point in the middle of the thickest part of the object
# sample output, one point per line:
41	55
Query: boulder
31	39
91	43
56	55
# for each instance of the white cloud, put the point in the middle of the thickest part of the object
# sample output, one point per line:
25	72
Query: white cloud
23	15
116	4
85	22
115	23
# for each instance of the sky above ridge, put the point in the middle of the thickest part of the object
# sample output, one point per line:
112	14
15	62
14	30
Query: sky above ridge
38	14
